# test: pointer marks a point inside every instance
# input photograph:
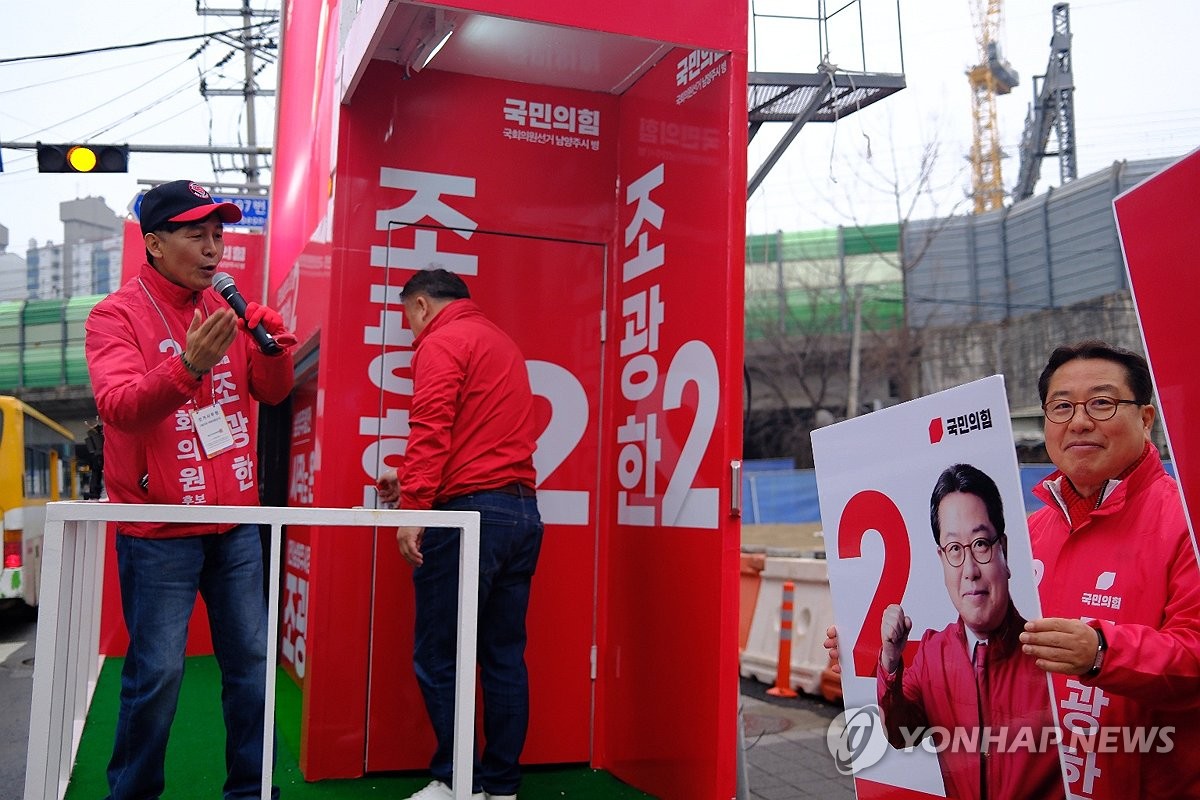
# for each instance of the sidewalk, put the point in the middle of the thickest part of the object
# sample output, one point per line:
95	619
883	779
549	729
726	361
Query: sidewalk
786	755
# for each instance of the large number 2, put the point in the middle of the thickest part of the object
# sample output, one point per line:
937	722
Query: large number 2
568	421
683	505
872	510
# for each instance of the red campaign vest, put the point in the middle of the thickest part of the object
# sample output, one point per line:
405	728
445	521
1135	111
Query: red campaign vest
144	393
1131	566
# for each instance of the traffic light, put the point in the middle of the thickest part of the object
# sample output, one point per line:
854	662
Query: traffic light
82	157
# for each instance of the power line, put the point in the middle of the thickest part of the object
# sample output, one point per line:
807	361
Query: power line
163	148
105	103
88	74
242	30
142	110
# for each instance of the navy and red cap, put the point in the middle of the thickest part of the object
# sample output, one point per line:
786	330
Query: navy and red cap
182	201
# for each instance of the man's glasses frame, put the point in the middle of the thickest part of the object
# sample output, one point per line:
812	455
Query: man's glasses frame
981	550
1099	408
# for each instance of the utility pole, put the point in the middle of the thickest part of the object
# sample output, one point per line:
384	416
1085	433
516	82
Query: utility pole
780	284
249	90
852	389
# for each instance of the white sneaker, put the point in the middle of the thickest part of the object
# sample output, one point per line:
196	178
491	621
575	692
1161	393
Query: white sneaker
487	796
440	791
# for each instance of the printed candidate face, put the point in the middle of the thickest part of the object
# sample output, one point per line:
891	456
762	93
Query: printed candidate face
189	256
1090	452
978	591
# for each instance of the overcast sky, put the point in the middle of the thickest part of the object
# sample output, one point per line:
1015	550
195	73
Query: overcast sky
1135	72
147	95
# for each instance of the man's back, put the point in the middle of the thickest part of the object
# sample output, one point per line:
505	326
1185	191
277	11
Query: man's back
472	421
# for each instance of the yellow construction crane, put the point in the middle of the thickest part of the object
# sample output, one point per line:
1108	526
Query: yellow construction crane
990	77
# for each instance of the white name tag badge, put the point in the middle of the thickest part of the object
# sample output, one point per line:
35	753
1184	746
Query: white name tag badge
212	428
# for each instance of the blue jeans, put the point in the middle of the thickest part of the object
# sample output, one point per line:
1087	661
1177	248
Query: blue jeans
159	581
510	540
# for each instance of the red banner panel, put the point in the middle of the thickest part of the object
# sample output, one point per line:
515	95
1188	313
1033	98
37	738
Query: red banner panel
305	127
669	549
297	550
1157	224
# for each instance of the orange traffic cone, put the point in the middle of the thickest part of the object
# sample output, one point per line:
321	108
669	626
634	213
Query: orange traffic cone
783	672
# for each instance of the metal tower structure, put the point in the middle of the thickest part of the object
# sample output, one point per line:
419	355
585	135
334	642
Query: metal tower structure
990	77
1053	107
257	54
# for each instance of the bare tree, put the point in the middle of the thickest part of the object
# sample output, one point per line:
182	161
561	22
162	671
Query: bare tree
927	188
802	308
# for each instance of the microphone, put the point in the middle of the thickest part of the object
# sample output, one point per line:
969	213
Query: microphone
223	283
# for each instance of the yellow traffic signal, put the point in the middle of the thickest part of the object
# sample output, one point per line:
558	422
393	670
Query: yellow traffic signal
82	157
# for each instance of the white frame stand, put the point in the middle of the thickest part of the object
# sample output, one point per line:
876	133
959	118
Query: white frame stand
67	661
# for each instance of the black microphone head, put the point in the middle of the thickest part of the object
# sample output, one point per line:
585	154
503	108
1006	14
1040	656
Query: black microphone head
223	282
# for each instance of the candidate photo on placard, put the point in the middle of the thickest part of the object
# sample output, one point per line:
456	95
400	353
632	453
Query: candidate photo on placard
932	580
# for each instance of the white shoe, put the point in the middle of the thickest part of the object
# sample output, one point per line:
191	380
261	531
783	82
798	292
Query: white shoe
440	791
487	796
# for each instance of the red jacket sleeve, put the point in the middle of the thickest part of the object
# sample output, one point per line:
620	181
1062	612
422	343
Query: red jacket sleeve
128	393
438	375
271	377
1160	665
901	701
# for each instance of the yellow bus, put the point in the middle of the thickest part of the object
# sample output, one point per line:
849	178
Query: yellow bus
37	466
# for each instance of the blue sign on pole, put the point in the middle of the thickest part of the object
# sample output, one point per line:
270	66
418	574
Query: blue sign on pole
254	209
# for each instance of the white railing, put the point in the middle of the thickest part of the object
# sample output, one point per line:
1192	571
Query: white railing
67	660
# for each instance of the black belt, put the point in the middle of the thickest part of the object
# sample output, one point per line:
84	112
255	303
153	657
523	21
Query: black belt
515	489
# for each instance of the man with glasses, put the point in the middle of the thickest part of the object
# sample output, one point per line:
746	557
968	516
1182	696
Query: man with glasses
1119	574
970	681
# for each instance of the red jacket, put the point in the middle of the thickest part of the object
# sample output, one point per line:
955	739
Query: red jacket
1132	567
144	393
939	691
471	423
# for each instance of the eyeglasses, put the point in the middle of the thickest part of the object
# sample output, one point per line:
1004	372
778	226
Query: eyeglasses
1098	408
981	551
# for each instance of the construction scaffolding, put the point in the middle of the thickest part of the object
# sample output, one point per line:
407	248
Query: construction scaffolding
833	90
991	76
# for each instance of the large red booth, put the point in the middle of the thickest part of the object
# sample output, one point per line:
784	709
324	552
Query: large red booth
582	165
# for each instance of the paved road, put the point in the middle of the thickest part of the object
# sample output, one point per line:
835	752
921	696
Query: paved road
18	627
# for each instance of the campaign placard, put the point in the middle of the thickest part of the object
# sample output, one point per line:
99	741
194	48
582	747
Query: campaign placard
929	554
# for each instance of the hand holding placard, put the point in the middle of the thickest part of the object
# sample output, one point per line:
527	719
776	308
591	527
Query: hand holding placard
893	632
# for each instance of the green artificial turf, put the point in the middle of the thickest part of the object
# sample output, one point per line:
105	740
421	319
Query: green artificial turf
196	751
